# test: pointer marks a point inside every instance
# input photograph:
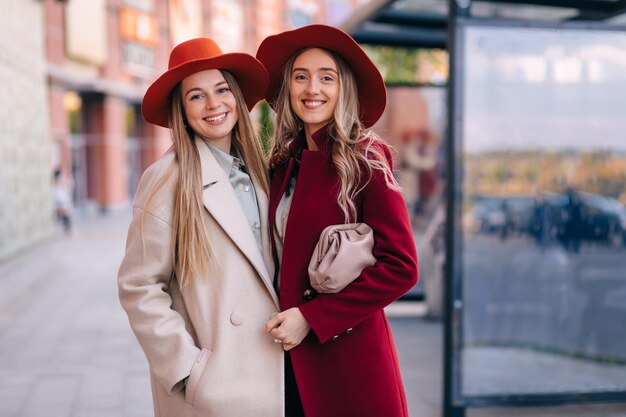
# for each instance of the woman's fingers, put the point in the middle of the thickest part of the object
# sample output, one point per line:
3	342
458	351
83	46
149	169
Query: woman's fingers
282	334
273	323
289	328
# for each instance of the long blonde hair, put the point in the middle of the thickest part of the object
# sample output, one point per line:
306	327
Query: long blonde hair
353	150
192	249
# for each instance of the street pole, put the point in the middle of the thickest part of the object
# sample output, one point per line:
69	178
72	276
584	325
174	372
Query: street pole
453	406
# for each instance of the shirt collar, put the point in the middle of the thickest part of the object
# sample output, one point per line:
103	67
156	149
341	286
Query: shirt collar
225	160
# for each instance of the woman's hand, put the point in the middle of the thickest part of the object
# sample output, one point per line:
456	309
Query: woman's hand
289	327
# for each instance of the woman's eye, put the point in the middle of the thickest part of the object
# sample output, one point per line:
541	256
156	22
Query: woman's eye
300	77
223	90
195	97
327	78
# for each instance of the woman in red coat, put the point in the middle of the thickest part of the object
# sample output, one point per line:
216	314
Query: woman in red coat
328	170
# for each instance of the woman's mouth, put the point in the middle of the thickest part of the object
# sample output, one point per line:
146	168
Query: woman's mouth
216	118
312	104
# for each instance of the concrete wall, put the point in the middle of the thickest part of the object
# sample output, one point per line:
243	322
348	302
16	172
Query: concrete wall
26	212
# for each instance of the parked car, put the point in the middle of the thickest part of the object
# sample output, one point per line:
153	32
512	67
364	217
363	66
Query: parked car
571	218
500	215
589	218
486	216
602	219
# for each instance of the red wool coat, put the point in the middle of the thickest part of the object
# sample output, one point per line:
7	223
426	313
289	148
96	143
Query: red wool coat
347	365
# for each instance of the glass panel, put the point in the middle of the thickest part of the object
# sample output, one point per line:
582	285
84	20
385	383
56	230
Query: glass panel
544	221
410	66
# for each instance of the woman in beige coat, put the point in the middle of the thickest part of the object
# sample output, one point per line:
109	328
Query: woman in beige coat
196	277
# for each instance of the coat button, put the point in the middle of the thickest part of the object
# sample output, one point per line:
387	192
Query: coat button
236	319
309	294
348	331
335	337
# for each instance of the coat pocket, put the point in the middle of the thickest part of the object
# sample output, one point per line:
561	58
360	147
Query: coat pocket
196	375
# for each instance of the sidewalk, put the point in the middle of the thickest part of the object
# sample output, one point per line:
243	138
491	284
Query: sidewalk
66	349
65	345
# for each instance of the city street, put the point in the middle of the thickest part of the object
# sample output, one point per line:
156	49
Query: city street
66	349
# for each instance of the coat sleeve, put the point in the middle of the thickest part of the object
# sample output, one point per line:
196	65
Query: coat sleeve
143	278
394	273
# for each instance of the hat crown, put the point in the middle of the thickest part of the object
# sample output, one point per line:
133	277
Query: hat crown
193	50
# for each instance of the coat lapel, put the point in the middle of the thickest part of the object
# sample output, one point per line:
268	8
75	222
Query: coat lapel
262	200
279	184
221	202
280	178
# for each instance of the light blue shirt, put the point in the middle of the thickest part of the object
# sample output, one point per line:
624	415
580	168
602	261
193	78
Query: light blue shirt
235	170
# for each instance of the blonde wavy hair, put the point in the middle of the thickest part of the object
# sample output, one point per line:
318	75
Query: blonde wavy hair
192	250
353	152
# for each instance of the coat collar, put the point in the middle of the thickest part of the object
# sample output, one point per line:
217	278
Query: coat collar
221	202
280	178
225	160
321	138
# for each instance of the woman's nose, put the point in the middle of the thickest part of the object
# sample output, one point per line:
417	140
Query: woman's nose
312	87
212	101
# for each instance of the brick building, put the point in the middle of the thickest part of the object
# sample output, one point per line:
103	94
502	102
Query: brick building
25	175
101	56
75	82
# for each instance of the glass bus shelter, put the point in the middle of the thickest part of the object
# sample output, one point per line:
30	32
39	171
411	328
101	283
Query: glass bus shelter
535	224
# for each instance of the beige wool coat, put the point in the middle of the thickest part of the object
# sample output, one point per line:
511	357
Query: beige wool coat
210	331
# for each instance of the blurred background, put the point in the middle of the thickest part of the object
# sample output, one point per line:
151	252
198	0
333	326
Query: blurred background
74	73
510	147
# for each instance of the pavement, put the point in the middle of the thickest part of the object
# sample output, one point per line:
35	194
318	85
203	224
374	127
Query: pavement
66	349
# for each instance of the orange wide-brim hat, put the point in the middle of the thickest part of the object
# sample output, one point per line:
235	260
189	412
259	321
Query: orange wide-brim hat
197	55
276	50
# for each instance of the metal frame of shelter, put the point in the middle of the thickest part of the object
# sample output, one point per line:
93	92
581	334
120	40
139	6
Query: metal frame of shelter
382	23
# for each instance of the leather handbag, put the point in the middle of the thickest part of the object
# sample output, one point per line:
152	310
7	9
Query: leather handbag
341	254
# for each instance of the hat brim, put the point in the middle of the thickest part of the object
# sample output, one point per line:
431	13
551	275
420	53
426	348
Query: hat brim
276	50
248	71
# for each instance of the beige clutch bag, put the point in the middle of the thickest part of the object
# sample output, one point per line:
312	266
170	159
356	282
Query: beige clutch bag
341	254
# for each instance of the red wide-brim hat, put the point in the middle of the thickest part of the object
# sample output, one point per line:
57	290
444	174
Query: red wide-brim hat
197	55
276	50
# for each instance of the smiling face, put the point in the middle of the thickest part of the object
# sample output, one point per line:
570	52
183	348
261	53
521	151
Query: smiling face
210	106
314	88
